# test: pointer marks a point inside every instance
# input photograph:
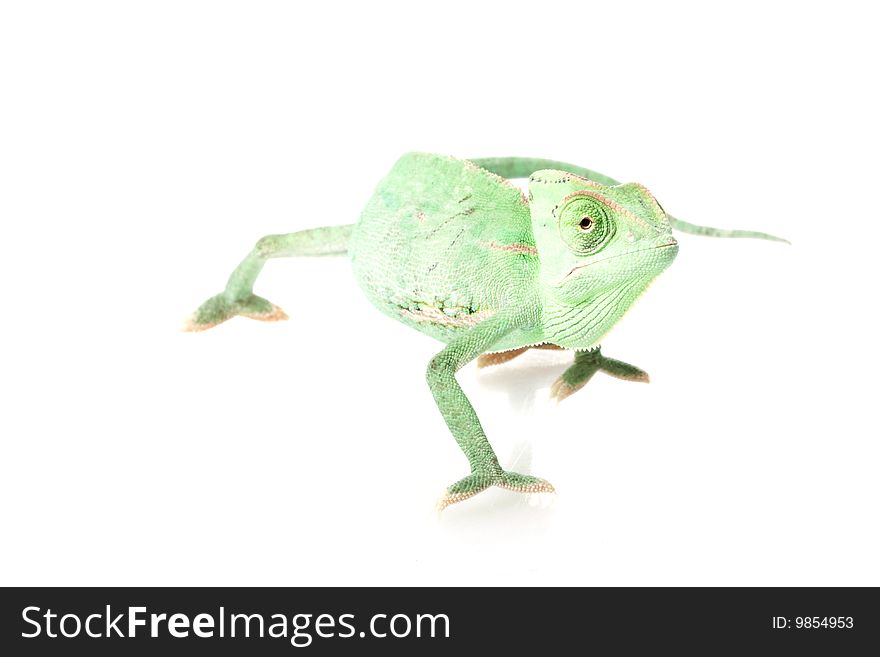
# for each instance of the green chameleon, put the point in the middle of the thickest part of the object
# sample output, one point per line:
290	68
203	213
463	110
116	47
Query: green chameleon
451	248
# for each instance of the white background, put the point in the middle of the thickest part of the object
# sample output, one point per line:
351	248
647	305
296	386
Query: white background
144	147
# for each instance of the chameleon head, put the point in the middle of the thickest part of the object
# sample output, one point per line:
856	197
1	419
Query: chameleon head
595	239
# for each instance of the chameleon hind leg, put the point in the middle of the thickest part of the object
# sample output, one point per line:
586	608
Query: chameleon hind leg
239	299
586	364
499	357
463	422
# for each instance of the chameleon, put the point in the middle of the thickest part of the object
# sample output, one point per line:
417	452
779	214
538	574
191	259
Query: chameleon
452	248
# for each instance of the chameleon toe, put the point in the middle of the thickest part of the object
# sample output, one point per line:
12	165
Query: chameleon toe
214	311
466	488
625	371
218	309
586	364
521	483
274	314
475	483
561	389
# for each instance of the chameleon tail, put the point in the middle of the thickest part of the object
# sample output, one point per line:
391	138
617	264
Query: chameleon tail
523	167
708	231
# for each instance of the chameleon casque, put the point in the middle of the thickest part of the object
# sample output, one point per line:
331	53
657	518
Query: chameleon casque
451	248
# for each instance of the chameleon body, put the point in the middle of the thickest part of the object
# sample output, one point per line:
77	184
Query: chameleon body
451	248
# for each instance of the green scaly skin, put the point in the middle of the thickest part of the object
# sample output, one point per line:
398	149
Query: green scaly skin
452	249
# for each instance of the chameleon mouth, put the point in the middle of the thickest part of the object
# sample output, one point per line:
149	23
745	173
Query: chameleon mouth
668	245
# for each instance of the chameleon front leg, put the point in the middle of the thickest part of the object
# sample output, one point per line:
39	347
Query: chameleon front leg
239	299
586	364
462	420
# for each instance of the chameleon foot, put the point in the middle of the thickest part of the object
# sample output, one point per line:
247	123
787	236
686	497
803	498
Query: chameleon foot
478	482
586	364
499	357
218	309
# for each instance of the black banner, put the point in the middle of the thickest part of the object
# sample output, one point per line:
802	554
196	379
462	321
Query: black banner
406	621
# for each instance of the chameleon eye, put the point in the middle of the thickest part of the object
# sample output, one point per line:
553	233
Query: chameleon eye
586	224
